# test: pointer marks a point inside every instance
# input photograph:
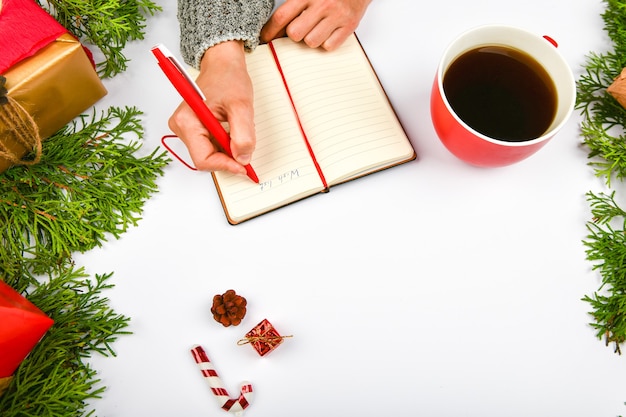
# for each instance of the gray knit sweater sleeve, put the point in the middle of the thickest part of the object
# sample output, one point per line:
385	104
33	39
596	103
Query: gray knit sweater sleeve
204	23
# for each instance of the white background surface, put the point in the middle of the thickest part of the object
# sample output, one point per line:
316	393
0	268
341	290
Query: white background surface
432	289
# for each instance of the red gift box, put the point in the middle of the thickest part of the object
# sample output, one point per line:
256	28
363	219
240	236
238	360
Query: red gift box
31	27
263	337
22	325
50	78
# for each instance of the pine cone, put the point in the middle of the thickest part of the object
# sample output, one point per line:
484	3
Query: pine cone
618	88
229	308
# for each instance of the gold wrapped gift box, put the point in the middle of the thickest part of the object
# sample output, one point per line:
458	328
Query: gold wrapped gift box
53	86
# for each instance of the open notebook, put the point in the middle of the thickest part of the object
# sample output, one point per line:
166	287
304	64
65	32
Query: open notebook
326	122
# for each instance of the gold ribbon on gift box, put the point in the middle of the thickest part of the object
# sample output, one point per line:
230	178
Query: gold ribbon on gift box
52	87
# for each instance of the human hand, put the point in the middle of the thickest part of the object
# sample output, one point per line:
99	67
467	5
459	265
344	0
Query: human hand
325	23
226	84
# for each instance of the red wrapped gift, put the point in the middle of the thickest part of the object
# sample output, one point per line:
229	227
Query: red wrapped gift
49	77
263	337
22	325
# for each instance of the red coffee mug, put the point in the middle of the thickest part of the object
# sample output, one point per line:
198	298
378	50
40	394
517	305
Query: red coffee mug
474	147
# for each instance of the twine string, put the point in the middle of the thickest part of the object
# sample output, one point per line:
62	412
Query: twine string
22	128
264	339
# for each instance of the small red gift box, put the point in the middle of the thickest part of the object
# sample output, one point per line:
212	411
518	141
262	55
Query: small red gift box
22	325
263	337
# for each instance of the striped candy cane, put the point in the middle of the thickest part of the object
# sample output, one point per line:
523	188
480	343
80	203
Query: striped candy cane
235	406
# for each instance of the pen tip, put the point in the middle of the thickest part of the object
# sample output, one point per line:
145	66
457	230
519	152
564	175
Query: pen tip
252	174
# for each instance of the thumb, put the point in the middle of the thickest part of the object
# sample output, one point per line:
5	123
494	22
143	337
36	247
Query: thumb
242	136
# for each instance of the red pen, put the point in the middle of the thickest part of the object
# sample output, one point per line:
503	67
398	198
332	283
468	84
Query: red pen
194	97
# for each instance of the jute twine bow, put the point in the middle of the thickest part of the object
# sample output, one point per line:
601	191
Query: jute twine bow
21	127
264	339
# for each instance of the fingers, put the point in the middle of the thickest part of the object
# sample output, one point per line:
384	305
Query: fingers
203	152
301	23
282	16
242	133
219	161
319	23
324	35
226	83
314	30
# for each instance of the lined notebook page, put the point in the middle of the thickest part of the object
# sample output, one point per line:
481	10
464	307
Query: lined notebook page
281	160
343	109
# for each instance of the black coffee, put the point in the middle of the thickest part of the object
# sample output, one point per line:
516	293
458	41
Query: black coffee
501	92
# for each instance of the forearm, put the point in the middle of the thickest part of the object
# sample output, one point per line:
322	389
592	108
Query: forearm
205	23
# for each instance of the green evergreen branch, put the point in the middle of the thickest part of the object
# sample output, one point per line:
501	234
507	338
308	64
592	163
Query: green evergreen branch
606	248
89	185
107	24
604	135
55	379
604	118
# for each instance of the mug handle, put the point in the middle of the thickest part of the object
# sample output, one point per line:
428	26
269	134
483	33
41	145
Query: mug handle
552	41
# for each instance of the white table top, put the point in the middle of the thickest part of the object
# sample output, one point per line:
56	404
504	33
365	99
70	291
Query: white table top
431	289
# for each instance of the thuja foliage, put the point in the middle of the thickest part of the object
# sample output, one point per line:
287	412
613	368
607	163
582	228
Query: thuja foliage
606	247
55	379
90	185
604	134
106	24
